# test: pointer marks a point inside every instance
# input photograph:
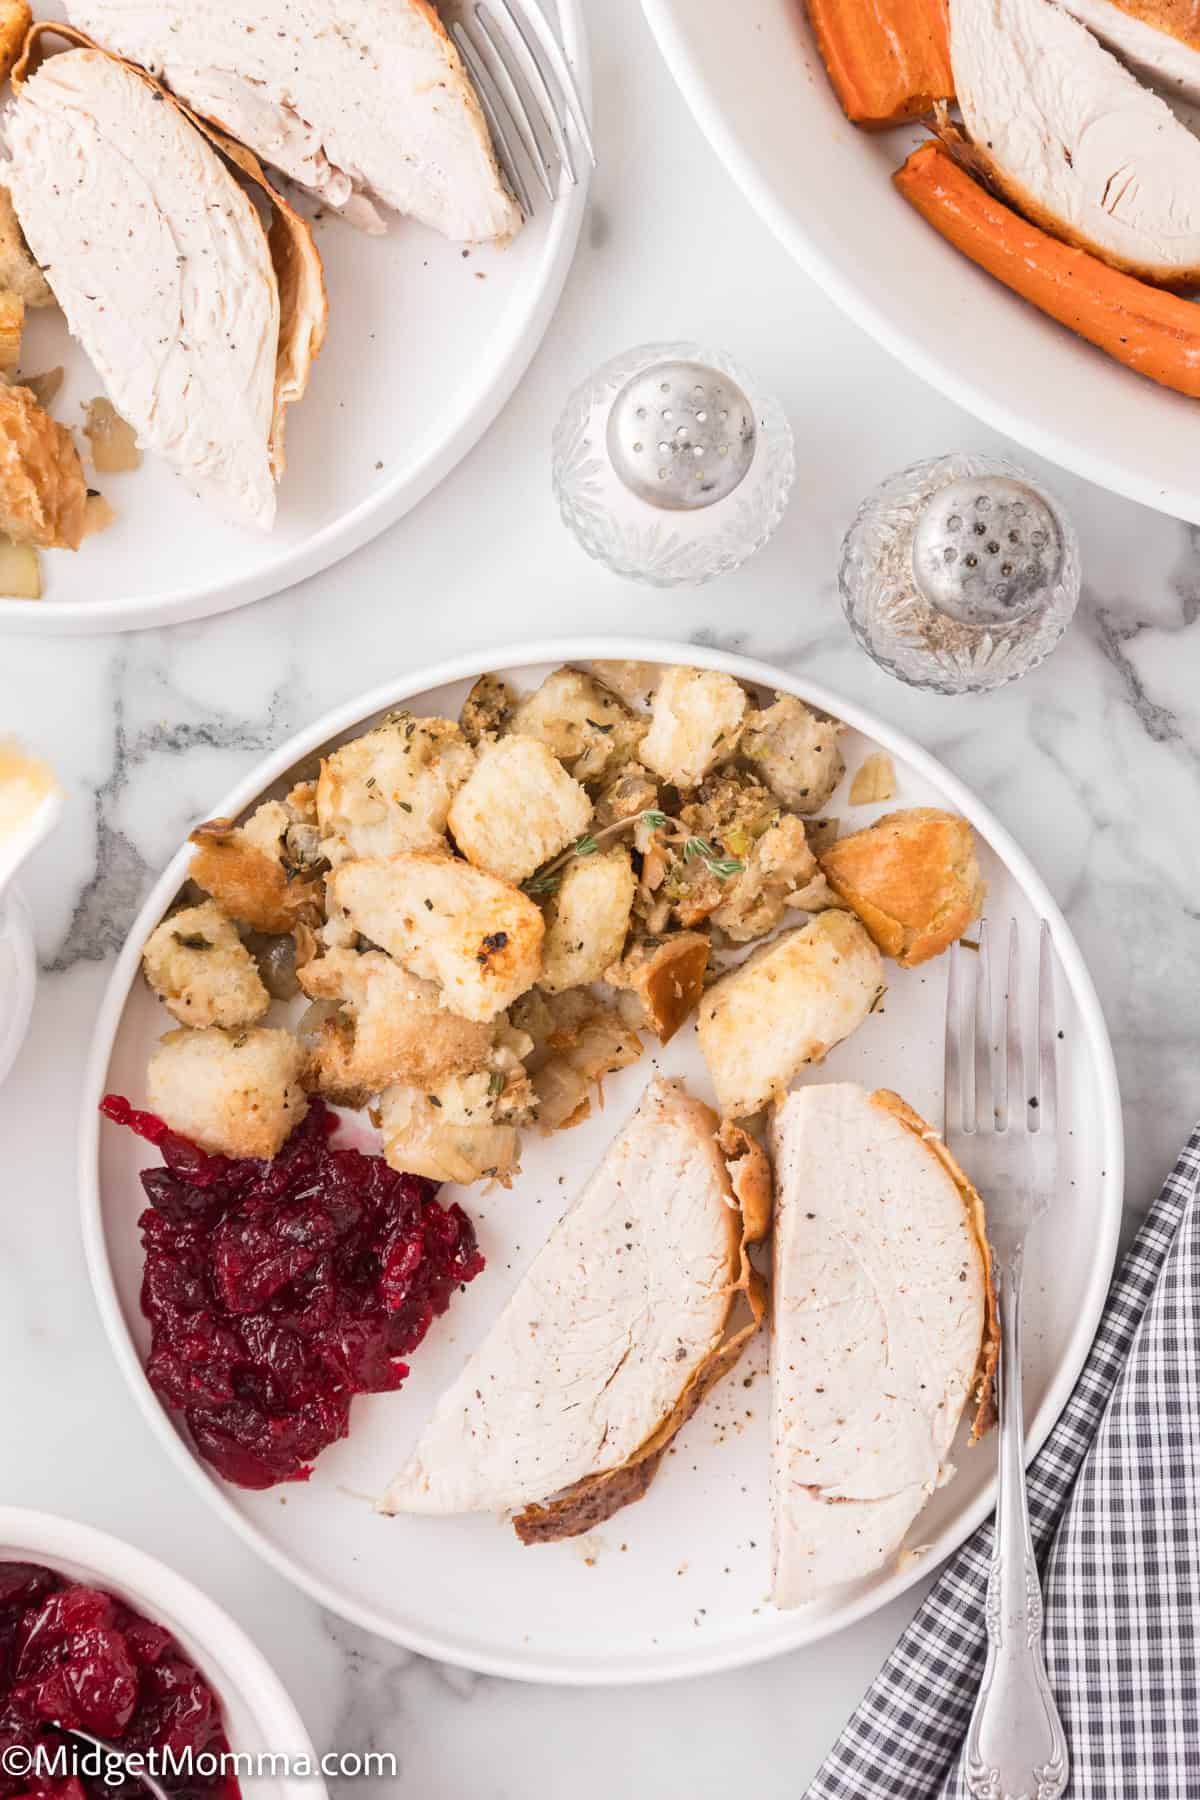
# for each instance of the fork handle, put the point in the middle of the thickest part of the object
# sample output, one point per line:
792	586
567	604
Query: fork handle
1016	1748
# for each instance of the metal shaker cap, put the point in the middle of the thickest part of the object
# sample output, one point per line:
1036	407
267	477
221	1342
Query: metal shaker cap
988	551
681	435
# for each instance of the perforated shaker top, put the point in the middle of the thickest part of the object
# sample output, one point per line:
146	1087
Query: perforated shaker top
987	551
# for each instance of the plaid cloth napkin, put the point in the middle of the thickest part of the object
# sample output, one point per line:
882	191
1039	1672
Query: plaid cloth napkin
1114	1499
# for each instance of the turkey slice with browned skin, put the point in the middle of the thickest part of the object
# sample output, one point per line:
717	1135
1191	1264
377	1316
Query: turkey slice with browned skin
356	100
611	1338
202	329
1075	140
1159	39
883	1330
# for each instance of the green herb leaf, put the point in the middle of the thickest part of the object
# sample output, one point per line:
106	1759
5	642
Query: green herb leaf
587	846
541	884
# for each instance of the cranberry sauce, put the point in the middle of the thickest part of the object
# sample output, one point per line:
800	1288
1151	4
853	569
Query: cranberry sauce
74	1656
278	1290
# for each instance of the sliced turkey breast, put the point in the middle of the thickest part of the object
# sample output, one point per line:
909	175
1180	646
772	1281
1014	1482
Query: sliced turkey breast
613	1335
1159	39
353	99
883	1327
161	265
1075	140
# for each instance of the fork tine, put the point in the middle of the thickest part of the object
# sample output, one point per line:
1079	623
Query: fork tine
1047	1110
985	1104
955	1119
536	76
560	67
1014	1046
505	75
491	100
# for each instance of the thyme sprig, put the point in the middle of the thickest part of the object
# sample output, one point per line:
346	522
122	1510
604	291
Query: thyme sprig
724	868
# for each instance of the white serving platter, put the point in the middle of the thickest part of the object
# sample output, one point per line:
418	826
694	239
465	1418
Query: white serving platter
260	1717
676	1585
758	88
426	344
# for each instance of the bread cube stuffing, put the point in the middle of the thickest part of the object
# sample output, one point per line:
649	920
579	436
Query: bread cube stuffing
787	1005
233	1093
796	752
391	789
585	725
478	938
587	919
518	810
202	972
695	725
390	1027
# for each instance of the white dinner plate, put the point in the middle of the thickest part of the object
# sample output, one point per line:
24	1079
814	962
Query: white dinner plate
427	340
758	88
676	1584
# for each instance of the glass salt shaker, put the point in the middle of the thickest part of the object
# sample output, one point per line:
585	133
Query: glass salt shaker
670	466
960	574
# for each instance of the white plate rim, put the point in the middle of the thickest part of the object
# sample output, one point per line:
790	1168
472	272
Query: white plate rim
856	302
57	1538
510	353
677	1664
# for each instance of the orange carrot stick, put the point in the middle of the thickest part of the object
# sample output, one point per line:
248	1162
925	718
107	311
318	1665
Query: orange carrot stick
1156	333
889	60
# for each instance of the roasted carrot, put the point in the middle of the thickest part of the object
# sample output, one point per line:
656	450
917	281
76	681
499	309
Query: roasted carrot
1156	333
889	60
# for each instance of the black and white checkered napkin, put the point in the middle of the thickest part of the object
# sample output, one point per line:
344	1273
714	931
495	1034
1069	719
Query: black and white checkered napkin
1114	1498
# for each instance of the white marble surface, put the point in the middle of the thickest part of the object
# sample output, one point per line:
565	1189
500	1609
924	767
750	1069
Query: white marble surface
1093	763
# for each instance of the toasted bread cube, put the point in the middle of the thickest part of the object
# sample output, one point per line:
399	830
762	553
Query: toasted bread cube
234	1094
263	872
466	1127
390	790
787	1005
696	723
391	1027
16	16
582	722
477	937
587	919
519	809
202	972
12	329
664	980
912	878
636	683
795	751
43	491
19	274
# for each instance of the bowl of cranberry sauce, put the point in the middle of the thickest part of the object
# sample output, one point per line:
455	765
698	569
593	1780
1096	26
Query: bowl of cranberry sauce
99	1639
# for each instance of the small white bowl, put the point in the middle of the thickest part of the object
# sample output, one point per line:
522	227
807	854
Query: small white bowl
259	1715
18	974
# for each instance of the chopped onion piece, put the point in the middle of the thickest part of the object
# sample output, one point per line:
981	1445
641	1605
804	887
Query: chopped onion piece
98	515
875	781
113	440
20	571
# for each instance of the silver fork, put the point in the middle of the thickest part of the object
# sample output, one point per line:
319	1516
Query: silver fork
528	93
1004	1132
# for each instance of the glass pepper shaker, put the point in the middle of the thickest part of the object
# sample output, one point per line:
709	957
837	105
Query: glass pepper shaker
670	466
960	574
